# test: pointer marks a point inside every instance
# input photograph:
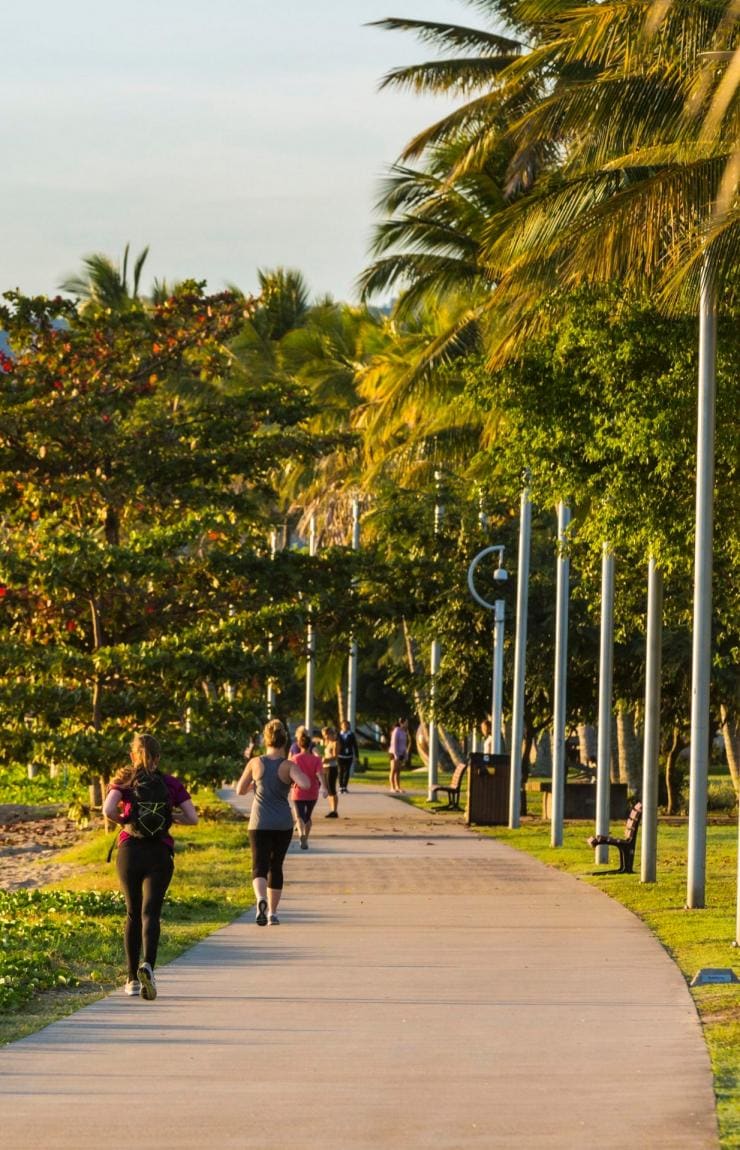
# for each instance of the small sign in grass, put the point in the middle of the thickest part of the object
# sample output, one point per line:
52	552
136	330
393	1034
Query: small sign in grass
714	974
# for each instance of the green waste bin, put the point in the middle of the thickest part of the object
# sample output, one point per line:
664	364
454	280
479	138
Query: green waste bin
488	790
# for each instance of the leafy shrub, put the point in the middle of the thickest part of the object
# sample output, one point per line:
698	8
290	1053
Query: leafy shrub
45	937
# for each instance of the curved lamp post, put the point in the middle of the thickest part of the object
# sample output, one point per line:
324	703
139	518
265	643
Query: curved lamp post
497	682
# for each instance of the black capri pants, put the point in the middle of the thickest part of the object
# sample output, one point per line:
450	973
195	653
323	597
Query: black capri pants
145	869
269	848
331	774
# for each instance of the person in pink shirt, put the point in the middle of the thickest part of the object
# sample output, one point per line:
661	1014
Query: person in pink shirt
398	750
305	798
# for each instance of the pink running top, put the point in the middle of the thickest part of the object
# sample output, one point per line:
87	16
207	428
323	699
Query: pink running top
310	764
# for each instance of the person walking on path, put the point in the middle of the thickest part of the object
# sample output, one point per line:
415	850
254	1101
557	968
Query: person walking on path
271	819
304	799
398	749
331	769
145	803
347	753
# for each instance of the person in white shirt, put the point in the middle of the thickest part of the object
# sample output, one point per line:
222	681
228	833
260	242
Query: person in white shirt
487	733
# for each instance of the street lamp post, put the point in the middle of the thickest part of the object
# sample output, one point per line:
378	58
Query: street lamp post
561	670
310	641
606	682
520	658
498	608
434	660
648	854
702	636
353	653
271	699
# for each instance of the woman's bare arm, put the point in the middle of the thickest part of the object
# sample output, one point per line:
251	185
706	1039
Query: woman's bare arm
246	780
186	814
110	807
299	777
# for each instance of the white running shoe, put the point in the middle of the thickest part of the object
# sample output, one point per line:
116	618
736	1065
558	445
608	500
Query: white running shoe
132	988
148	982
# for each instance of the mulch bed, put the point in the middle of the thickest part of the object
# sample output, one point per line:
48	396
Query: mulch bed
30	837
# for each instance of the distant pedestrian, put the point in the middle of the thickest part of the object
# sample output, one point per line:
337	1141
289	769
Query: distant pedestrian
331	769
487	732
271	819
305	798
398	750
145	803
253	746
295	746
347	754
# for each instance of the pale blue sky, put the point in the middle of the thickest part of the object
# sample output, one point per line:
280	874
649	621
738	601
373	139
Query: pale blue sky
227	134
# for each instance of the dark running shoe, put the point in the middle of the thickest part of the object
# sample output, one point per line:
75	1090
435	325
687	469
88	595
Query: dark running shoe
147	982
262	912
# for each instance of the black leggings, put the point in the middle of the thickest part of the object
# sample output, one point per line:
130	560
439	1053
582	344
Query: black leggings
345	770
145	869
269	848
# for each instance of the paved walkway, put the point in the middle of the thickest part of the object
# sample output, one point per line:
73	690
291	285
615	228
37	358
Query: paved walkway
427	988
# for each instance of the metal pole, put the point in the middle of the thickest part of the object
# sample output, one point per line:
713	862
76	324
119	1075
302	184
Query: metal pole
435	659
497	684
271	696
606	682
353	653
561	668
520	659
654	643
434	662
310	641
702	639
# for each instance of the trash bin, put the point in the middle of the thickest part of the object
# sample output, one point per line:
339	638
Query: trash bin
488	790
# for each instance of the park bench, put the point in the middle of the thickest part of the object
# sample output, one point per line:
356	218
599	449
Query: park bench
625	846
454	788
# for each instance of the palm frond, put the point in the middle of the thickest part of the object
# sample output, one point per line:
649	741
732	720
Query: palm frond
443	36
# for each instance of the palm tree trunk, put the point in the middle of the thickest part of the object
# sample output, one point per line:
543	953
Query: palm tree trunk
615	774
672	777
340	702
586	742
543	762
731	736
97	788
629	764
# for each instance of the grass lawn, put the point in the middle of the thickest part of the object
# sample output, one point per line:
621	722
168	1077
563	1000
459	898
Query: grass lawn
63	948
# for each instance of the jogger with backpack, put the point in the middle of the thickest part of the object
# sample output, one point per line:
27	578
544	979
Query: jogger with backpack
145	803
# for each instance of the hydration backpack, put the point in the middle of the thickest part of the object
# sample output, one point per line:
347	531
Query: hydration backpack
151	806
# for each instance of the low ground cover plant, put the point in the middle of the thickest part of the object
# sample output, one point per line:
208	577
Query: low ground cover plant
61	946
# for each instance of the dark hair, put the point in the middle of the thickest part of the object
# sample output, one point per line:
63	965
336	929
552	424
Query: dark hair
304	740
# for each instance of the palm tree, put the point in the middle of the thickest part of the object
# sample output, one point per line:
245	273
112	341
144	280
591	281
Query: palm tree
104	283
622	145
625	129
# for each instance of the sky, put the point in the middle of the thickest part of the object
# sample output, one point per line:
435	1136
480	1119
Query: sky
230	135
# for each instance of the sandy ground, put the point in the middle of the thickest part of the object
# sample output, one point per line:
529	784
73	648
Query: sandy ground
30	839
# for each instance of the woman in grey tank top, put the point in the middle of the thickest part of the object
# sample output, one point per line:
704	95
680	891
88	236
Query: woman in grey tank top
271	819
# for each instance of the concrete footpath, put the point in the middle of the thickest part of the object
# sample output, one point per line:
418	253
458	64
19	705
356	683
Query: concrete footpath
427	987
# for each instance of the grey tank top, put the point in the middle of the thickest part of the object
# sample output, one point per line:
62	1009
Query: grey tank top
270	809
